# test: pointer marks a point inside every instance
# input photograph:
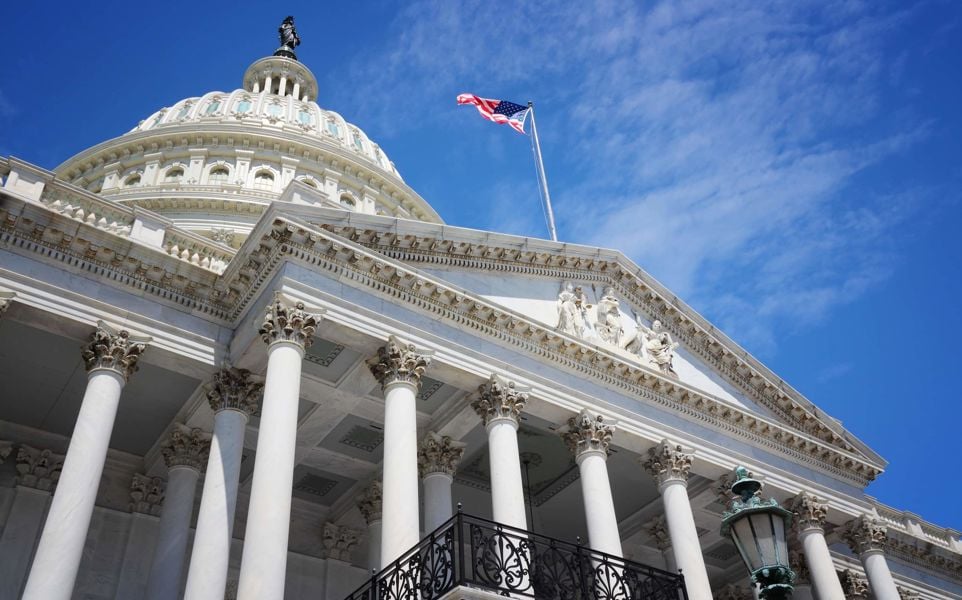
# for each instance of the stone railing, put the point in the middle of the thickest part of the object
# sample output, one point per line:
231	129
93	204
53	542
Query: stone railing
914	526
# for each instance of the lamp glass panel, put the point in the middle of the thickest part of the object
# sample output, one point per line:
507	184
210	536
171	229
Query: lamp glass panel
743	529
766	537
781	545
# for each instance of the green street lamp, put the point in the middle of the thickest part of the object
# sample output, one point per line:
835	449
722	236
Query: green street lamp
757	528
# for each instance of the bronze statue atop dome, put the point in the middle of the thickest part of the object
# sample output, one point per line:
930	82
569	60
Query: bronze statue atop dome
289	39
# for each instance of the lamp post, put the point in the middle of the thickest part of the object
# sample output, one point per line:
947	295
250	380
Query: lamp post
757	528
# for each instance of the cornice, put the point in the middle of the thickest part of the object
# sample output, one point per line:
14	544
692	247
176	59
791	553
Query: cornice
725	356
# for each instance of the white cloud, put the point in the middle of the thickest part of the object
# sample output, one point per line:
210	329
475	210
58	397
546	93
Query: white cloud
714	143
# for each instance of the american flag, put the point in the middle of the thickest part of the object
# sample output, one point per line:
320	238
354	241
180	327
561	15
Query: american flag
499	111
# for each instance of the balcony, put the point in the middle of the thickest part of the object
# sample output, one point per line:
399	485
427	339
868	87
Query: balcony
470	557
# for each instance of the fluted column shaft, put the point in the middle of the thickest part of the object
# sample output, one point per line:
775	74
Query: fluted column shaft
233	397
287	330
588	438
399	366
110	358
670	466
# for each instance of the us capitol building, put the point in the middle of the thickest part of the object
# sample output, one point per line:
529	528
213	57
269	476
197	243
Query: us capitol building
243	359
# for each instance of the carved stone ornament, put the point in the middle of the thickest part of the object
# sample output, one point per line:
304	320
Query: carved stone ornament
658	530
865	534
907	594
572	310
186	447
112	349
809	512
369	502
398	361
796	560
338	541
854	586
5	449
609	325
233	388
588	433
723	488
439	454
38	469
146	494
667	462
289	321
498	398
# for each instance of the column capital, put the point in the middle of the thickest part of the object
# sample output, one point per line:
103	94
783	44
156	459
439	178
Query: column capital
439	454
809	512
865	534
369	502
668	463
338	541
657	528
399	361
499	399
6	299
38	469
113	349
907	594
186	447
233	388
588	433
287	320
146	494
854	585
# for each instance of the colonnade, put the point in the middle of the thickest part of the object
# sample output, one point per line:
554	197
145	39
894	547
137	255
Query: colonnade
288	329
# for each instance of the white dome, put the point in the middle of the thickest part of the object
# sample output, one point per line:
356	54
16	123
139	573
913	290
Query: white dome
212	163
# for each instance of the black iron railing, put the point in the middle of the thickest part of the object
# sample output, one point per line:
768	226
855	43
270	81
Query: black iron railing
474	552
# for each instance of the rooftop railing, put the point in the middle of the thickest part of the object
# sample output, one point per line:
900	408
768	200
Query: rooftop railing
471	552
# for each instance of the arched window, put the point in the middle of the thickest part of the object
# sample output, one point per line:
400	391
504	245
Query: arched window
218	175
275	110
264	180
132	181
212	107
332	128
182	113
356	136
174	175
348	202
310	182
244	106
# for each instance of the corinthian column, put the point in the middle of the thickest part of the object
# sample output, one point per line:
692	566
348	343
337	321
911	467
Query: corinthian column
398	366
185	453
369	503
669	465
866	536
110	357
588	437
287	330
438	458
233	396
810	526
499	405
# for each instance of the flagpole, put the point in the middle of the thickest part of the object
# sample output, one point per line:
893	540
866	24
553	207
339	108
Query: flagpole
540	168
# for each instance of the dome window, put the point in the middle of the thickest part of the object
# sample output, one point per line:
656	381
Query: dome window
174	175
274	110
133	180
357	140
182	113
348	202
304	117
309	182
244	106
218	175
332	128
213	107
264	180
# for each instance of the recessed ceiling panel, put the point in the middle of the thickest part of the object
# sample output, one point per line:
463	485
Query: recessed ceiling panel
319	486
356	437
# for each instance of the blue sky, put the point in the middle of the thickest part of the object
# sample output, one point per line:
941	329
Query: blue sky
791	169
